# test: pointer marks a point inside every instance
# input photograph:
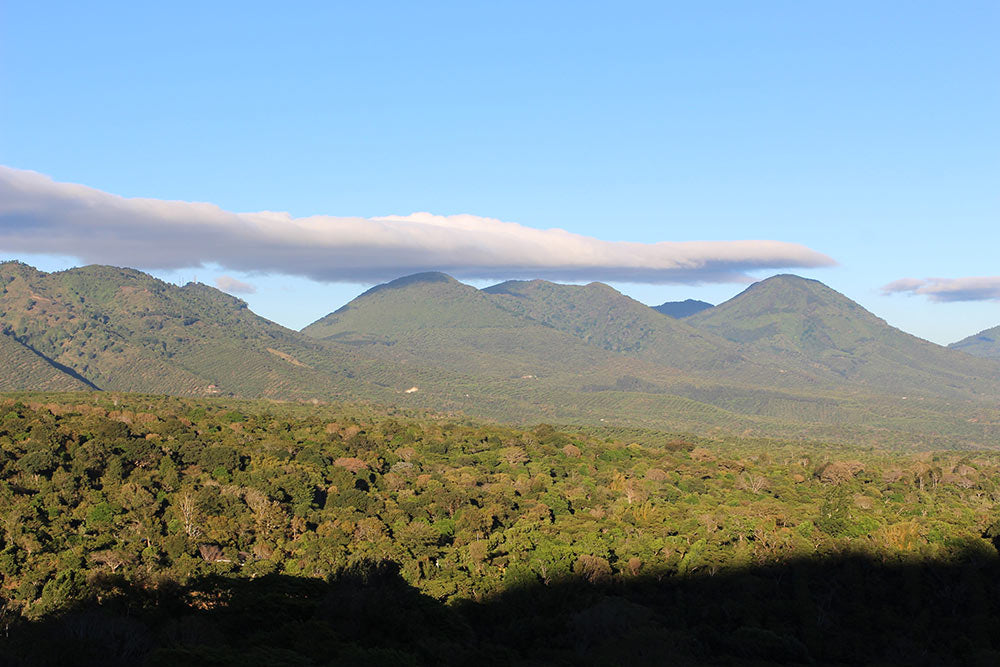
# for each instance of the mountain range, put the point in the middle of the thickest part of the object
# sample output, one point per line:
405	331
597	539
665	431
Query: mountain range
788	357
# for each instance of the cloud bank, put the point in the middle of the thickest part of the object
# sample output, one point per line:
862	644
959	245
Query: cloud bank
234	286
981	288
39	215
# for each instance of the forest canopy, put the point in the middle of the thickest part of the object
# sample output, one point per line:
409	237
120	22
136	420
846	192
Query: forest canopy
156	493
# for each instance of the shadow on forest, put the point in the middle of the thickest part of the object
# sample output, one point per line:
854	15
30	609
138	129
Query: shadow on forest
847	610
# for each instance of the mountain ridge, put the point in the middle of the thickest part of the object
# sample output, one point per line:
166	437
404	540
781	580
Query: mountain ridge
985	344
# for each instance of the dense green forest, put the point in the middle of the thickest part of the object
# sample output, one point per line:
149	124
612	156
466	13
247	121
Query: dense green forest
123	515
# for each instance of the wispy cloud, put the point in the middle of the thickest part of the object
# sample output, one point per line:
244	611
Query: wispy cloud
974	288
39	215
234	286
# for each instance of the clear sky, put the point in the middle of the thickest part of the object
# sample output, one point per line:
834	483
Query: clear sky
865	131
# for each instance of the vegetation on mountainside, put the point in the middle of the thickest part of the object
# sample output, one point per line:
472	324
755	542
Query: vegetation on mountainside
983	344
121	329
433	319
160	507
24	368
811	326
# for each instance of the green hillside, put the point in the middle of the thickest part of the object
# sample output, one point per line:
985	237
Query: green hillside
983	344
681	309
121	329
813	328
23	367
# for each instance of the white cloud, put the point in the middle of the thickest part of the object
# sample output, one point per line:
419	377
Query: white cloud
39	215
973	288
234	286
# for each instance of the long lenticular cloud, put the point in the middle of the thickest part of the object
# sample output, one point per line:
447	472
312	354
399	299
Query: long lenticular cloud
39	215
973	288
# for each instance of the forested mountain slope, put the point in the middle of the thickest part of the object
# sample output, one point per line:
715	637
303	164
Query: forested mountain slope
122	329
25	368
983	344
816	329
572	354
431	317
603	316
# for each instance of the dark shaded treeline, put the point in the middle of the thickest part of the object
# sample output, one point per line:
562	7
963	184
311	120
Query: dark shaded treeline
835	610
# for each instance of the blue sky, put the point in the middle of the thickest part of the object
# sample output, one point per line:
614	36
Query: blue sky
864	131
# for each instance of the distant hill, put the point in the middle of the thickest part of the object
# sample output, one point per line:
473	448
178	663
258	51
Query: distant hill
815	328
681	309
121	329
983	344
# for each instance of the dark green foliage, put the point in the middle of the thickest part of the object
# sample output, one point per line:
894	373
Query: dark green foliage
835	513
223	457
100	516
38	462
837	610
